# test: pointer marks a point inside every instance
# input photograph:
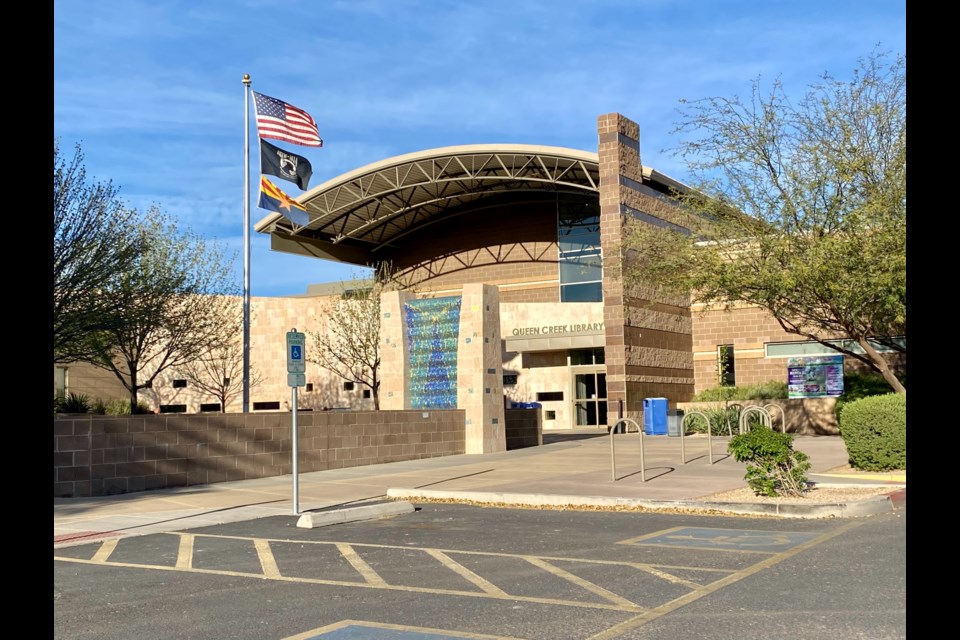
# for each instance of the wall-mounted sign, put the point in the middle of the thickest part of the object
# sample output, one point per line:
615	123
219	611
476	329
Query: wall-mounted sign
815	377
588	327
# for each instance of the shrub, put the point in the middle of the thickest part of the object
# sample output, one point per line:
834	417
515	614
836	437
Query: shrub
719	418
763	391
74	403
863	385
874	430
773	467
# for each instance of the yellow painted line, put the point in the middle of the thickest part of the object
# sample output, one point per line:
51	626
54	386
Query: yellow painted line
345	624
647	536
365	570
185	552
893	477
361	585
488	587
104	551
618	630
580	582
267	562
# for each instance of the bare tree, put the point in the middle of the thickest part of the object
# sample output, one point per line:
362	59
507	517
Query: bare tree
177	304
220	373
349	346
93	239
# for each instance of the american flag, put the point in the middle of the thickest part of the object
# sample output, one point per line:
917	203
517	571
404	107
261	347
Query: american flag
281	121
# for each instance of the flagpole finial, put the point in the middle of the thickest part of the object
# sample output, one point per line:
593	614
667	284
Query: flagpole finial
246	78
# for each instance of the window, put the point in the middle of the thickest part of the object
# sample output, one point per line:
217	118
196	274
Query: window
179	384
348	386
366	393
579	255
586	357
509	379
266	406
309	386
60	382
173	408
549	396
811	348
549	415
210	406
726	371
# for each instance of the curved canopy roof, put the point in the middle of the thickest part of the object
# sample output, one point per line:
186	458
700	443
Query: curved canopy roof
381	203
355	215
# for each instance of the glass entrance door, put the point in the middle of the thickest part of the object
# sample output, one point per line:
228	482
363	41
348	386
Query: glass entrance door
590	399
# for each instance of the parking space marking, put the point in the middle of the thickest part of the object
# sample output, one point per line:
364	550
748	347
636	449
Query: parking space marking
267	562
185	552
106	548
358	563
580	582
462	571
618	630
390	632
741	540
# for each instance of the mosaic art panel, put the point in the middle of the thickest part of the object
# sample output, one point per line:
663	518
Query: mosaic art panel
433	325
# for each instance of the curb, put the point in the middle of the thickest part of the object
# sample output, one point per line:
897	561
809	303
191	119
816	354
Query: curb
354	514
877	504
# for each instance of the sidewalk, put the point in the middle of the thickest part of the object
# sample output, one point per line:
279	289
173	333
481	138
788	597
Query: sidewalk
572	468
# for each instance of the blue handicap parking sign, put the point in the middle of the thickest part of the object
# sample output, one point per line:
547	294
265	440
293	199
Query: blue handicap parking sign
295	352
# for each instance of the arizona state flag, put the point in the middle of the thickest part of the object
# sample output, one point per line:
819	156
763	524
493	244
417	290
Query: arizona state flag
273	199
283	164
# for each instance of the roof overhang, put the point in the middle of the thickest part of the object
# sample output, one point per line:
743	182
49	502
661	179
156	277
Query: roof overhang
357	215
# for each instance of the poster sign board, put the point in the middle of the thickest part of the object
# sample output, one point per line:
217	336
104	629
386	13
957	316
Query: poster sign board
815	377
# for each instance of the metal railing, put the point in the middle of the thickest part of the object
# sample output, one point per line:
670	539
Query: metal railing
747	412
783	415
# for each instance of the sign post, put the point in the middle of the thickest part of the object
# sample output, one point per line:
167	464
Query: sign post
296	377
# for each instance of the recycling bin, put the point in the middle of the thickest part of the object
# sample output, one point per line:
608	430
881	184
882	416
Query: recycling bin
655	416
674	422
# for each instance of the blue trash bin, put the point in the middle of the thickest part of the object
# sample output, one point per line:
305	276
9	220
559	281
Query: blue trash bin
655	416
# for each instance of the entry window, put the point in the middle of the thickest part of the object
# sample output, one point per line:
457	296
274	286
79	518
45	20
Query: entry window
579	255
726	370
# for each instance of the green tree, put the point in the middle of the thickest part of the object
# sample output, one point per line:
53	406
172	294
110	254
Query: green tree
176	302
92	241
798	208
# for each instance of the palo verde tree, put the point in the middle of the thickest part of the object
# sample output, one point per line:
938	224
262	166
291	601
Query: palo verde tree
177	304
799	208
93	239
349	345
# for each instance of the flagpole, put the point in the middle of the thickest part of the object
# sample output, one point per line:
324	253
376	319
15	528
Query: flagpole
246	243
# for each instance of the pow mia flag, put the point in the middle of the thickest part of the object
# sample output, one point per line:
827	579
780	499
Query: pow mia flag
283	164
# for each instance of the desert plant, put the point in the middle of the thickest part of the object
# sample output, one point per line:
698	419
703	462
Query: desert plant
874	430
863	385
73	403
774	468
723	420
770	390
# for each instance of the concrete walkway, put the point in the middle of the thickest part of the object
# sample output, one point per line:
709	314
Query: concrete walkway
572	468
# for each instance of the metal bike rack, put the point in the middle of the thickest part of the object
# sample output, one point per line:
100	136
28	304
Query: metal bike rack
783	416
706	418
764	417
613	456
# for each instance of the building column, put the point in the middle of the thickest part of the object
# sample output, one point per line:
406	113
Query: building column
480	369
649	339
394	355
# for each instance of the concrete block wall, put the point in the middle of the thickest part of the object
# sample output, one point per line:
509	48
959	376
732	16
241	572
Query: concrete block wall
524	428
106	455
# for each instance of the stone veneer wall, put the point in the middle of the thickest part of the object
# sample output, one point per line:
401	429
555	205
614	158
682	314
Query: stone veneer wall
105	455
648	342
480	375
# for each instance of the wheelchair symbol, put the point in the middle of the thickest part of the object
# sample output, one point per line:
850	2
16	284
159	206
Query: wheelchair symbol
295	352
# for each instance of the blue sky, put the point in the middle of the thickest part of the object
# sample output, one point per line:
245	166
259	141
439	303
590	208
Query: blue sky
152	89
